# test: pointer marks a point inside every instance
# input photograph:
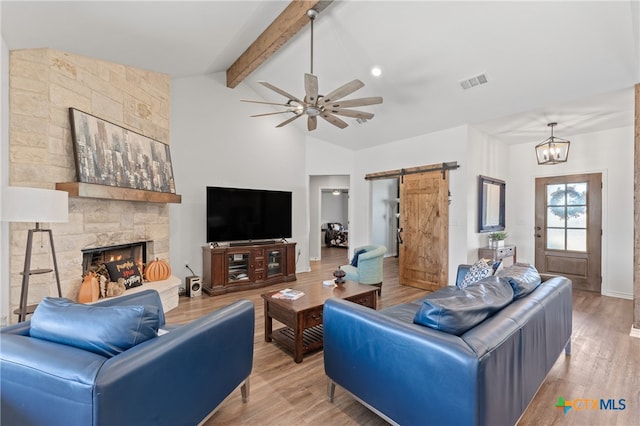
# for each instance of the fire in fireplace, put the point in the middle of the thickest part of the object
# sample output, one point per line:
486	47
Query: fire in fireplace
93	257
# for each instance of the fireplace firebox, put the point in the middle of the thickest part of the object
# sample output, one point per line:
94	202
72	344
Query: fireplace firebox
93	257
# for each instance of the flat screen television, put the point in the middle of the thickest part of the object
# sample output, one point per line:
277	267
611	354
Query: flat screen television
238	214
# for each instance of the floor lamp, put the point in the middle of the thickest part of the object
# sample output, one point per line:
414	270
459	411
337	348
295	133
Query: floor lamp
21	204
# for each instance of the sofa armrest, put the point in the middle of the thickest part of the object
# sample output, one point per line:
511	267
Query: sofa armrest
180	377
395	367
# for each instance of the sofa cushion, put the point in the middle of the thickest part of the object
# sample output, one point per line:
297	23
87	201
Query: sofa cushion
455	310
478	271
522	277
106	331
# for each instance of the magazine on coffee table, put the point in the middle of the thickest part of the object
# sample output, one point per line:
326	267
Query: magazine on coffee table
288	294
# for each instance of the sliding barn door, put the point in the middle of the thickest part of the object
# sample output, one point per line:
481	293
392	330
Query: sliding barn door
424	230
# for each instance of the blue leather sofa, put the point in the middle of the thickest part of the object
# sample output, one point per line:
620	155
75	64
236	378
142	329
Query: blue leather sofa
177	378
412	374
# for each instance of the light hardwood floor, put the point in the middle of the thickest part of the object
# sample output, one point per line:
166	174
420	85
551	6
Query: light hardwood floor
605	363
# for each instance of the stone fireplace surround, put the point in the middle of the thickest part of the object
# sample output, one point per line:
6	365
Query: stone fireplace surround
43	85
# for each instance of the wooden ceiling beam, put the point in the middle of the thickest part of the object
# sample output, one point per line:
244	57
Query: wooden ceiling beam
277	34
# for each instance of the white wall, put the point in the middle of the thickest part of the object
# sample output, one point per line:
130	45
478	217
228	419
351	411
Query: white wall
214	142
491	158
609	152
4	181
334	208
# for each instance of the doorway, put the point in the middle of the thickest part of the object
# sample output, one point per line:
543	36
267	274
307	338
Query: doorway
317	221
568	228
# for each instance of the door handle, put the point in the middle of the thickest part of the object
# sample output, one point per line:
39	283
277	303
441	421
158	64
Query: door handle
399	236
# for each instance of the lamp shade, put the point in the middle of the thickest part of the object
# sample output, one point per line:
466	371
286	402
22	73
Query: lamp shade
22	204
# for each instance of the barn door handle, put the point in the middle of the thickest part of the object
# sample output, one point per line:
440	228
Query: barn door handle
399	236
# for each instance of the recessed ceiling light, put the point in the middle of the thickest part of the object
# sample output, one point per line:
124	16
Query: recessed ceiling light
376	71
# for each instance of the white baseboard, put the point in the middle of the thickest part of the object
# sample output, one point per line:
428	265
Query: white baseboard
635	332
618	295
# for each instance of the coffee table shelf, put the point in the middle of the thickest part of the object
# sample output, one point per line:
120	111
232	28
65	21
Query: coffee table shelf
312	338
302	317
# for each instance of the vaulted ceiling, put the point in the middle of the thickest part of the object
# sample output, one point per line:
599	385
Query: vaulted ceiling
574	62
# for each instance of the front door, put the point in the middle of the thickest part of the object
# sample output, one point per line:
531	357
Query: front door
569	228
424	230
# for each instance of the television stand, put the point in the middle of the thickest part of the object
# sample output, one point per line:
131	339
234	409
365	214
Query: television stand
249	265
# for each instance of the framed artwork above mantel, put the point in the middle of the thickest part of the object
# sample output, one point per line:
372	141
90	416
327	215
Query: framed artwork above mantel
108	154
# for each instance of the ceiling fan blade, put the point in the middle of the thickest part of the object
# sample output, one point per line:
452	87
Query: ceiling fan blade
354	102
344	90
351	113
334	120
310	88
280	91
284	123
272	113
312	122
266	103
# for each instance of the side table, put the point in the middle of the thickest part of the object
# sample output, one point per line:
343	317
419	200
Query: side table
498	253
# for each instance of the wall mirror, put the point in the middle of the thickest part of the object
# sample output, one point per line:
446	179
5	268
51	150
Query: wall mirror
491	202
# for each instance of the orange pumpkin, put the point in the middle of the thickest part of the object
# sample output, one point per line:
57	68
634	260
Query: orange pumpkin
89	289
157	270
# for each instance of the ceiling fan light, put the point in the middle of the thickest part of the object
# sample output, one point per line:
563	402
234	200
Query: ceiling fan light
376	71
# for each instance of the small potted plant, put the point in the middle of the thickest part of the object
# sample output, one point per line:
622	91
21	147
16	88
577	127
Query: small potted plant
496	239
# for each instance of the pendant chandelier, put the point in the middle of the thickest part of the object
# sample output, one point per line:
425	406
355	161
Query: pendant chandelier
552	150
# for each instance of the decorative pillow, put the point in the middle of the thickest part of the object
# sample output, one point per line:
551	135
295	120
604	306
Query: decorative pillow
455	310
356	255
479	270
335	226
127	270
522	277
105	330
497	266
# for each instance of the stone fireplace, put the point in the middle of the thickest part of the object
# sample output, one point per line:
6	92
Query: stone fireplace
43	85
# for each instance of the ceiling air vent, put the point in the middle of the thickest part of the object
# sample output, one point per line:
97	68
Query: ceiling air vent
473	81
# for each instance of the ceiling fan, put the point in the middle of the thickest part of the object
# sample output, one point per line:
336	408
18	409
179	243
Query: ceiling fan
326	106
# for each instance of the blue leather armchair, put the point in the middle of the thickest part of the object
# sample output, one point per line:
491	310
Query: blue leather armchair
369	269
177	378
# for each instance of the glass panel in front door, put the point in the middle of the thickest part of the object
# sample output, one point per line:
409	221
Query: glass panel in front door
567	217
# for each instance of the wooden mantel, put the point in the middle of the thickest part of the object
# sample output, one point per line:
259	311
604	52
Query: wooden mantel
88	190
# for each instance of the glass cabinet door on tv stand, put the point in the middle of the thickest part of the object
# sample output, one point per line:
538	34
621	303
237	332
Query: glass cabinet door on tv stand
274	262
238	266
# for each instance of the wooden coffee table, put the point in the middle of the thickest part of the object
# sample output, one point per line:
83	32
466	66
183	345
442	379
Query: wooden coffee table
303	317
